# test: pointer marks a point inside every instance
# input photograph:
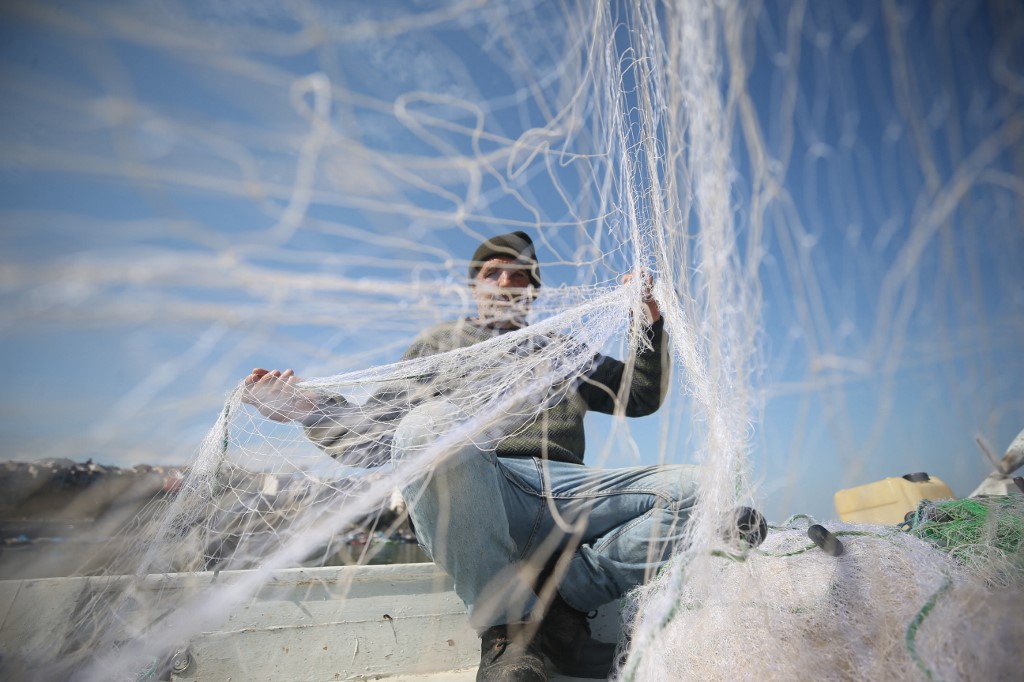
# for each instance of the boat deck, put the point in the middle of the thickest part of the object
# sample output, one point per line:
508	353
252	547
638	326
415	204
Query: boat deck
394	622
466	675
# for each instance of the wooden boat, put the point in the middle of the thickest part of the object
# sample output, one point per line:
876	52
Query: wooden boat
390	622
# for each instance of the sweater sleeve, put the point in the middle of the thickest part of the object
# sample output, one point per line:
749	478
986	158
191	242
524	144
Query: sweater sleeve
355	435
361	435
600	386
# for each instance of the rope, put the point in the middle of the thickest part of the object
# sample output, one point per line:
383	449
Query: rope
915	625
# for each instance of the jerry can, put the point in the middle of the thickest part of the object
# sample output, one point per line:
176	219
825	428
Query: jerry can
889	500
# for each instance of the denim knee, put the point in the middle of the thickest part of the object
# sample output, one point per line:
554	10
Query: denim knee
456	470
423	426
678	482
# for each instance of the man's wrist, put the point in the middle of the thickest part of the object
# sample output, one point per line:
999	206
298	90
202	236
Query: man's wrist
322	404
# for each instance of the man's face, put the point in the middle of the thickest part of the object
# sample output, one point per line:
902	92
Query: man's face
503	292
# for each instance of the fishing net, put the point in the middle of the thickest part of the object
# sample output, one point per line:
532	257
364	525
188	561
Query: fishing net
984	533
828	198
892	606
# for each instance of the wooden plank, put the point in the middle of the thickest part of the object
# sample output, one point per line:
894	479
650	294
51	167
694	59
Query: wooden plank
346	624
337	623
39	617
335	651
8	592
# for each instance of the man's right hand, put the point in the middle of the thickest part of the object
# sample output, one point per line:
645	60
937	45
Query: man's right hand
275	394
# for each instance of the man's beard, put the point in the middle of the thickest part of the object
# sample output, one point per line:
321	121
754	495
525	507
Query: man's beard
504	311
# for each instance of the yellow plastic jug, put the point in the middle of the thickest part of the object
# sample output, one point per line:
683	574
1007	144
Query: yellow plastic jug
889	500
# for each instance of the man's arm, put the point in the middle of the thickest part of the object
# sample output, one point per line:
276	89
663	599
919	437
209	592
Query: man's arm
600	387
356	435
353	434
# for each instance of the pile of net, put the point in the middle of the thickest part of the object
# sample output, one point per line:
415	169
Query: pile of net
984	533
941	601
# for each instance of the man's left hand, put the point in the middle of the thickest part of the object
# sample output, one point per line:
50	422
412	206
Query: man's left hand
652	305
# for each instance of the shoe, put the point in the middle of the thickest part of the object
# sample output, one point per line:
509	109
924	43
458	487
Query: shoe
563	633
506	656
621	654
564	637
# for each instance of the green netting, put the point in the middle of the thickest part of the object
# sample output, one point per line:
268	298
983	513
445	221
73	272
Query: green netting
978	531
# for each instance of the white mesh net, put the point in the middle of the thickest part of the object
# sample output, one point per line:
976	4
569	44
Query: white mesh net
894	607
828	198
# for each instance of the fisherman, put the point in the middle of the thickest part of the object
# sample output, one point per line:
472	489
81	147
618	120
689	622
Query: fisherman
495	518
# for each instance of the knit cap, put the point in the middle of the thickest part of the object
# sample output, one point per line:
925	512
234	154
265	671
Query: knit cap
517	245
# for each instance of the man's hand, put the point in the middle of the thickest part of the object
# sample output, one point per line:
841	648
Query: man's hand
652	306
276	396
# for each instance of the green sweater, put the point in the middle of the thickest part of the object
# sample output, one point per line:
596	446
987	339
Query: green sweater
351	434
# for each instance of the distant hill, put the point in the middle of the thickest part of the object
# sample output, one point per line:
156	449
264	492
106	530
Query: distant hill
63	491
60	517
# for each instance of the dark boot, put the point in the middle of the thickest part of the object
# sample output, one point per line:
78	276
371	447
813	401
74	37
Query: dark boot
564	638
563	634
507	656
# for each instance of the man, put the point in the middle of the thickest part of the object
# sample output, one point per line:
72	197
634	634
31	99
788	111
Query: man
565	538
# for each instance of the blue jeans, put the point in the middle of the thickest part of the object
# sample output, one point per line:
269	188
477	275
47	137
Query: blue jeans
491	523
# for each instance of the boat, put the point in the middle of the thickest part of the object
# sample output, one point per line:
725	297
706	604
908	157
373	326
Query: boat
398	622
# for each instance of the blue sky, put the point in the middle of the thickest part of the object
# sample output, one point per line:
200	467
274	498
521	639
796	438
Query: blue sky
150	256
